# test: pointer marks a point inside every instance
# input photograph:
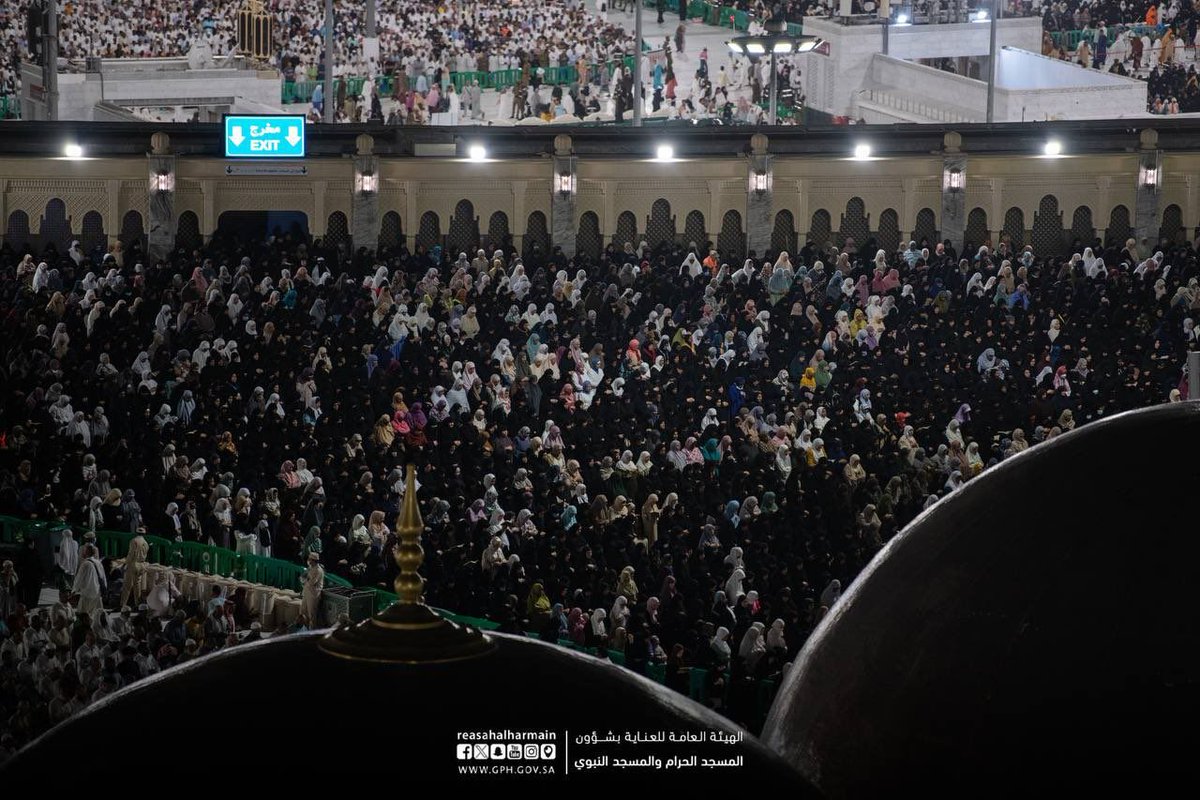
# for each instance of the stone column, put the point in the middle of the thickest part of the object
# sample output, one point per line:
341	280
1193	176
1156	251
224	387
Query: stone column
161	200
364	202
563	193
1145	222
759	197
954	195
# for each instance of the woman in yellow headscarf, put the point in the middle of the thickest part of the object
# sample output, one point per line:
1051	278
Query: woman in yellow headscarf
809	379
858	323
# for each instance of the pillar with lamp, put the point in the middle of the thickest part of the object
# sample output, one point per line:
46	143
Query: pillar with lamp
562	199
774	42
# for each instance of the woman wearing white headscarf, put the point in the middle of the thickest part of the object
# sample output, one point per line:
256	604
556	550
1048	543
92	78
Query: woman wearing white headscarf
783	460
775	640
753	647
733	586
832	593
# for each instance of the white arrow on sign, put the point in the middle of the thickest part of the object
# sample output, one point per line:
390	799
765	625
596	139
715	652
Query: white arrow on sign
293	136
236	137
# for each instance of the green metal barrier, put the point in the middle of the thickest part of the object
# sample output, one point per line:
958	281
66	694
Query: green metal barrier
10	107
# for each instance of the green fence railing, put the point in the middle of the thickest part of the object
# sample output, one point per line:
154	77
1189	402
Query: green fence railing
213	560
10	107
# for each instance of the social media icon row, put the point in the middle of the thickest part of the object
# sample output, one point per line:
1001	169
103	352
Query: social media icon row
505	752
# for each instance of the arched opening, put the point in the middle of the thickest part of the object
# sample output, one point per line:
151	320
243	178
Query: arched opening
695	234
783	235
1082	227
731	242
55	228
1118	227
820	229
430	231
537	238
588	241
187	232
16	233
925	232
1047	228
91	232
855	228
889	230
498	234
660	228
626	232
463	236
133	232
1014	228
1172	231
391	231
975	235
337	230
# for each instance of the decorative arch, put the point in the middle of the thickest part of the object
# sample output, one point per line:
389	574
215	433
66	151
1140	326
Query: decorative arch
855	226
694	231
497	230
391	231
17	231
975	235
889	230
91	231
783	236
430	231
660	227
1172	230
1014	227
626	232
731	242
56	226
1118	227
464	229
925	232
337	230
1082	227
132	230
1047	234
537	237
821	228
187	232
588	241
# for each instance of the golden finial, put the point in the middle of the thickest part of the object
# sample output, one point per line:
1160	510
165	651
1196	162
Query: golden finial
408	632
409	554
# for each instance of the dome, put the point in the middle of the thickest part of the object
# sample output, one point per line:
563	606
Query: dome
416	684
1036	628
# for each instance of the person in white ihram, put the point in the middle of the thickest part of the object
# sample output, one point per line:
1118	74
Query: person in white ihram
90	582
312	582
135	570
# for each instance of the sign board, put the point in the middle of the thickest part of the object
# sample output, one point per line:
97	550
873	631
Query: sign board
266	169
267	136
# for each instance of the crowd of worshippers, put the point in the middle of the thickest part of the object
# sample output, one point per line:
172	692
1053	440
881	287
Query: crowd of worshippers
668	451
57	659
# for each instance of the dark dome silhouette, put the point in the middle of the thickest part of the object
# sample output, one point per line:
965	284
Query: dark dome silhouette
1038	627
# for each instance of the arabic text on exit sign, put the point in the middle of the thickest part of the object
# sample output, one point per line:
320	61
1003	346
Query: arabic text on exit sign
268	136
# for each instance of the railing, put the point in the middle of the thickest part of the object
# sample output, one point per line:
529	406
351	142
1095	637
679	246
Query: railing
302	91
212	560
10	107
912	106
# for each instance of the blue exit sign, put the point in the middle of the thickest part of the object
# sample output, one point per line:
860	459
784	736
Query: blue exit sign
270	136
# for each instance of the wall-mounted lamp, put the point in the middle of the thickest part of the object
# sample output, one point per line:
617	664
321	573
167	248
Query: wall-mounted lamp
955	181
162	182
1148	177
760	181
565	183
366	182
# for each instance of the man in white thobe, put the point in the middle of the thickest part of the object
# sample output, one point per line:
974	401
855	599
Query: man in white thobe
135	570
90	582
312	583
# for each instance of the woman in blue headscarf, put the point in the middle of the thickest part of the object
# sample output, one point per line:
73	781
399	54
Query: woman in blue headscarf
531	346
568	519
737	395
731	513
833	289
712	452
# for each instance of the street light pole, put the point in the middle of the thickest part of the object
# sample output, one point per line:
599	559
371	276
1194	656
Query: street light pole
772	119
991	82
327	89
637	62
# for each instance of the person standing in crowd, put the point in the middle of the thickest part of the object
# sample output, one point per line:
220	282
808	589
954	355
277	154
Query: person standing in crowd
90	582
312	584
